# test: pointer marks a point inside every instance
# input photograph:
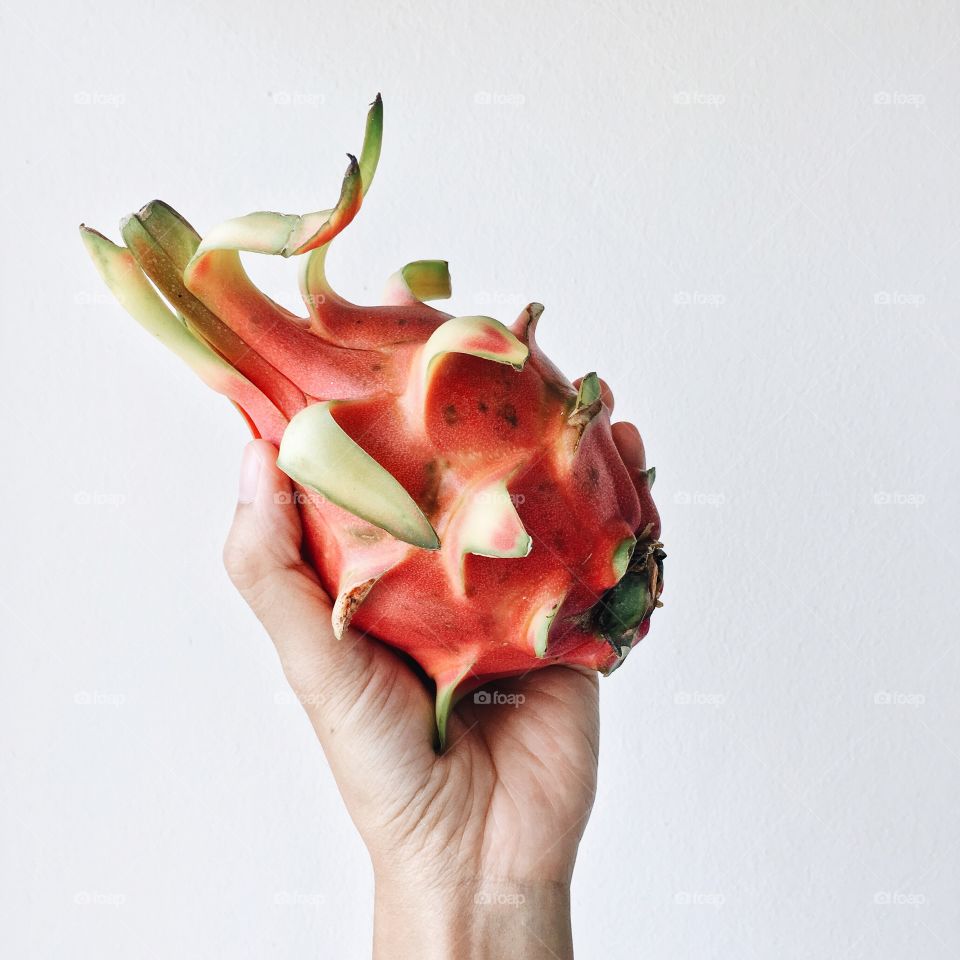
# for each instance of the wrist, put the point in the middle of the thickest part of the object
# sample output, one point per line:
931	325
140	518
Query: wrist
478	917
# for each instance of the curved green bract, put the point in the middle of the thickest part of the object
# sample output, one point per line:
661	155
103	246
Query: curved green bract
427	279
169	231
543	621
317	453
289	235
588	393
286	234
127	282
444	703
622	555
478	336
372	141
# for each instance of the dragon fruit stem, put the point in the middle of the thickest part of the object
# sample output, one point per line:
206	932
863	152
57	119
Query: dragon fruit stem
159	239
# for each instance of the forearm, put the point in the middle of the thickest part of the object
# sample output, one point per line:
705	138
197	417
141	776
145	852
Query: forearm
479	919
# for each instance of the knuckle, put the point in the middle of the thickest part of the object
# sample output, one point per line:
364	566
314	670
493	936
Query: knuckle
246	564
307	679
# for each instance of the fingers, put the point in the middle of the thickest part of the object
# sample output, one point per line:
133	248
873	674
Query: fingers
630	447
606	394
265	538
627	438
625	435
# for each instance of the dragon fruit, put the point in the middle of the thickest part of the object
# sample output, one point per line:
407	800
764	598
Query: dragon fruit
461	499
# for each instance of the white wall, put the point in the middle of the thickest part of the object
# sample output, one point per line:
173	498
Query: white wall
790	170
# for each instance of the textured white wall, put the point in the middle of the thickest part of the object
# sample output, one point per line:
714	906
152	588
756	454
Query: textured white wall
744	215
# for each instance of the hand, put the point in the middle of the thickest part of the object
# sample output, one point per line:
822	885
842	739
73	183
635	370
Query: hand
472	850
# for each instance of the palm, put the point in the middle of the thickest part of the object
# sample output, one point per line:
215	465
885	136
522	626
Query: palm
539	759
512	792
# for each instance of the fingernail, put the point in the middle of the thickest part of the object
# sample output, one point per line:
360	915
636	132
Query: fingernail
250	468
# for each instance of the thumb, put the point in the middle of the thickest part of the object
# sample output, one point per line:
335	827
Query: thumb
350	679
263	558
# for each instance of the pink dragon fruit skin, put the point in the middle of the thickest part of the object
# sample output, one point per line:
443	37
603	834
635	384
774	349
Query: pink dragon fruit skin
461	499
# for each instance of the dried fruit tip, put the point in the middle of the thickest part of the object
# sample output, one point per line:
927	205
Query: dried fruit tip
624	607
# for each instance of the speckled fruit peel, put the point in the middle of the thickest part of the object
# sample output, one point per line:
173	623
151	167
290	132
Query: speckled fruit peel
461	499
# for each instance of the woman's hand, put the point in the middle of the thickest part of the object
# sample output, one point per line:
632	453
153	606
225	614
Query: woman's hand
472	850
